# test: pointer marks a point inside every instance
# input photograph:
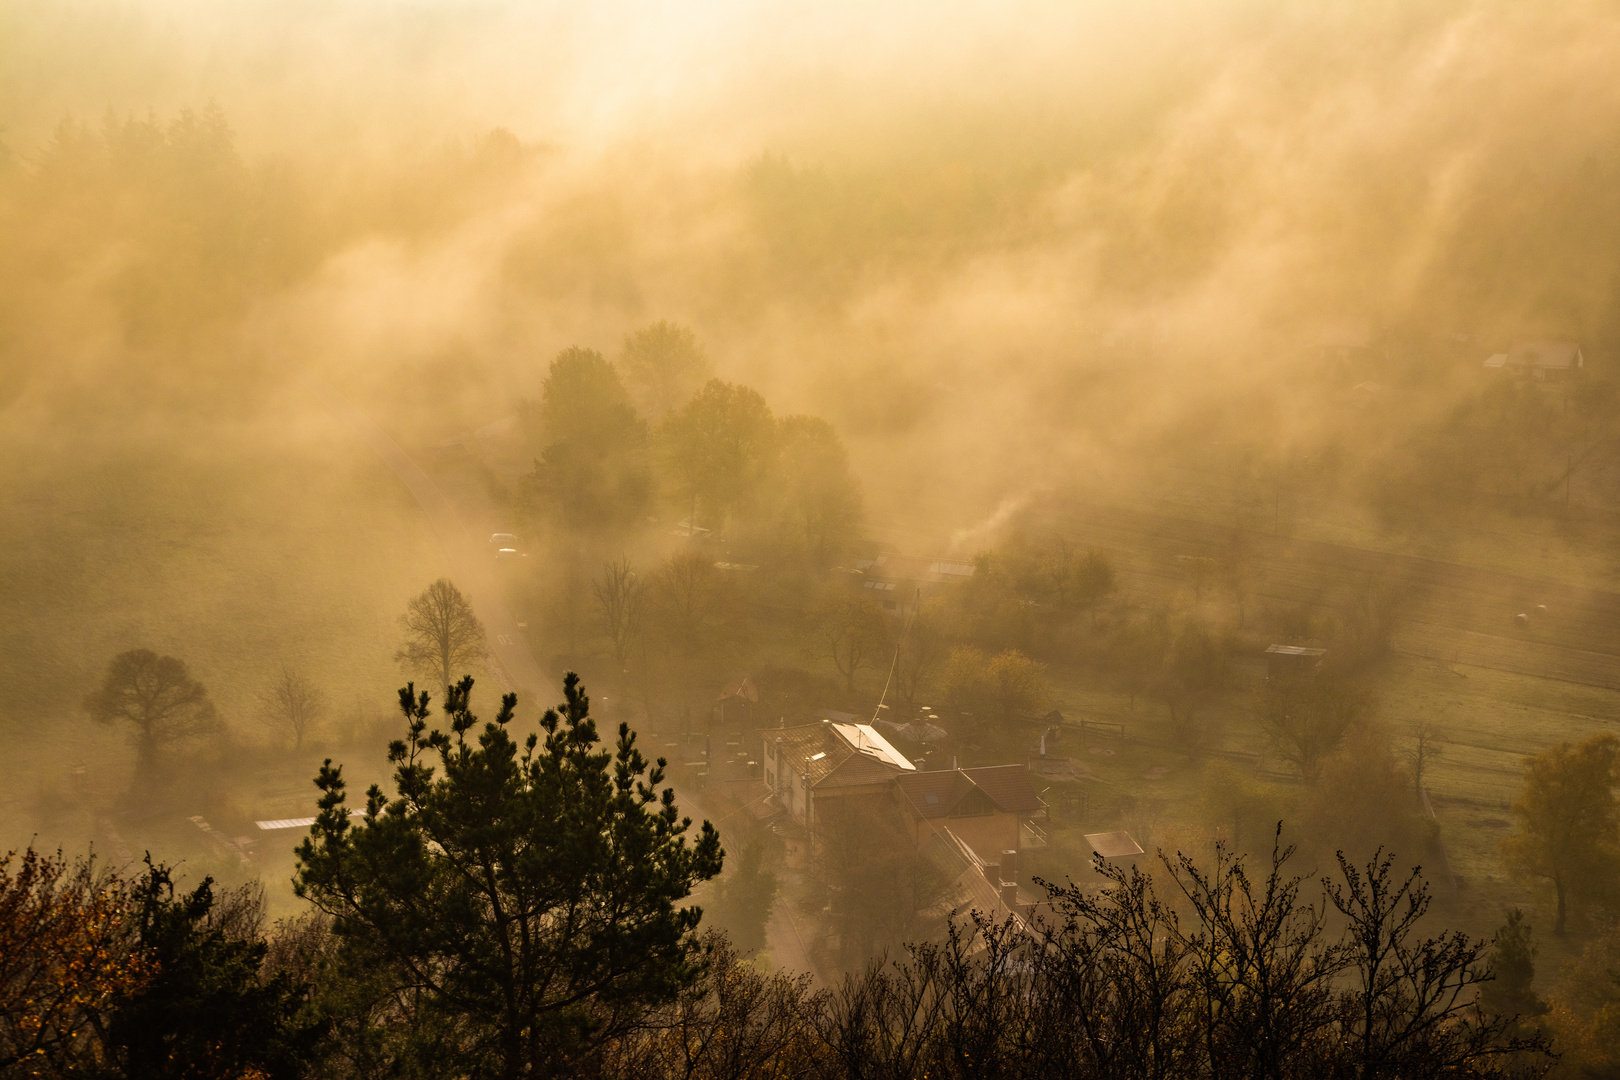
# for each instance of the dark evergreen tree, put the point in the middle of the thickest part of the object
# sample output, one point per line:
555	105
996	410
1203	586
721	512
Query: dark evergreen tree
745	896
520	900
592	473
206	1012
1513	971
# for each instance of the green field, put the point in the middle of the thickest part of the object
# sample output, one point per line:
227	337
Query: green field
236	546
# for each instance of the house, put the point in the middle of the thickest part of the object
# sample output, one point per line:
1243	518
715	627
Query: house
741	695
992	809
1547	361
901	581
818	768
986	883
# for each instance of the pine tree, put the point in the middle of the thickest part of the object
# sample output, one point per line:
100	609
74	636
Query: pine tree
522	900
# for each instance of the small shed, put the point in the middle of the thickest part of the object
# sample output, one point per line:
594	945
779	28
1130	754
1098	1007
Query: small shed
1114	845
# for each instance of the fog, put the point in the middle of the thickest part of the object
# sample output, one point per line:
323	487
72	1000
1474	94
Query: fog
1203	288
1061	235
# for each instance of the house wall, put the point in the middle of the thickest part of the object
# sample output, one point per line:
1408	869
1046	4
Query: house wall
866	799
788	784
988	836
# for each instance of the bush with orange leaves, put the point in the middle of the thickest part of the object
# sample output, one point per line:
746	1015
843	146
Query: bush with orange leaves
66	954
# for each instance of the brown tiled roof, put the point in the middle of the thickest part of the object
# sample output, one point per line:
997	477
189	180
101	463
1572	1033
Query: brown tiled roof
855	770
932	794
800	745
1010	787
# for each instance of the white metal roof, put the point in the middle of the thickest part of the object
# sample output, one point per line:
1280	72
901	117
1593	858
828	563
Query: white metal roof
1294	650
296	822
866	740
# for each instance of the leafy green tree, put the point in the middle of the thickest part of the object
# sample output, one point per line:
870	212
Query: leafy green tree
745	896
718	449
1059	575
1306	717
1513	971
208	1011
524	899
882	890
157	697
665	363
855	632
592	474
1569	822
1006	685
1019	684
967	680
1137	651
1193	676
818	500
1362	800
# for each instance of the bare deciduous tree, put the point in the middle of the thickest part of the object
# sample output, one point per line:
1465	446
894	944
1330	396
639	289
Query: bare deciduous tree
855	631
689	594
1427	744
922	651
292	705
1306	717
157	696
442	634
619	596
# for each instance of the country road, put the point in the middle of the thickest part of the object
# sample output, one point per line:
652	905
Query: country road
472	567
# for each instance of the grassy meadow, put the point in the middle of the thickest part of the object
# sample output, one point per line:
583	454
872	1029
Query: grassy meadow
235	546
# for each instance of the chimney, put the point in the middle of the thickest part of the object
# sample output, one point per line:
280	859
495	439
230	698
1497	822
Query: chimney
1009	866
1009	895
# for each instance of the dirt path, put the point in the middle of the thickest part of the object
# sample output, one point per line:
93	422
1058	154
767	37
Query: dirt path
471	566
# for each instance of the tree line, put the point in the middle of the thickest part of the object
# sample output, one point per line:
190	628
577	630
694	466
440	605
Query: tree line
521	908
618	441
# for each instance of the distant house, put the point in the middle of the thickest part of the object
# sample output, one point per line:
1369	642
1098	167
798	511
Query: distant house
811	766
991	809
900	581
741	696
1546	361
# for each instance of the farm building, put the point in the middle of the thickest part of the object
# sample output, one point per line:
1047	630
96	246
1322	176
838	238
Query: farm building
1546	361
